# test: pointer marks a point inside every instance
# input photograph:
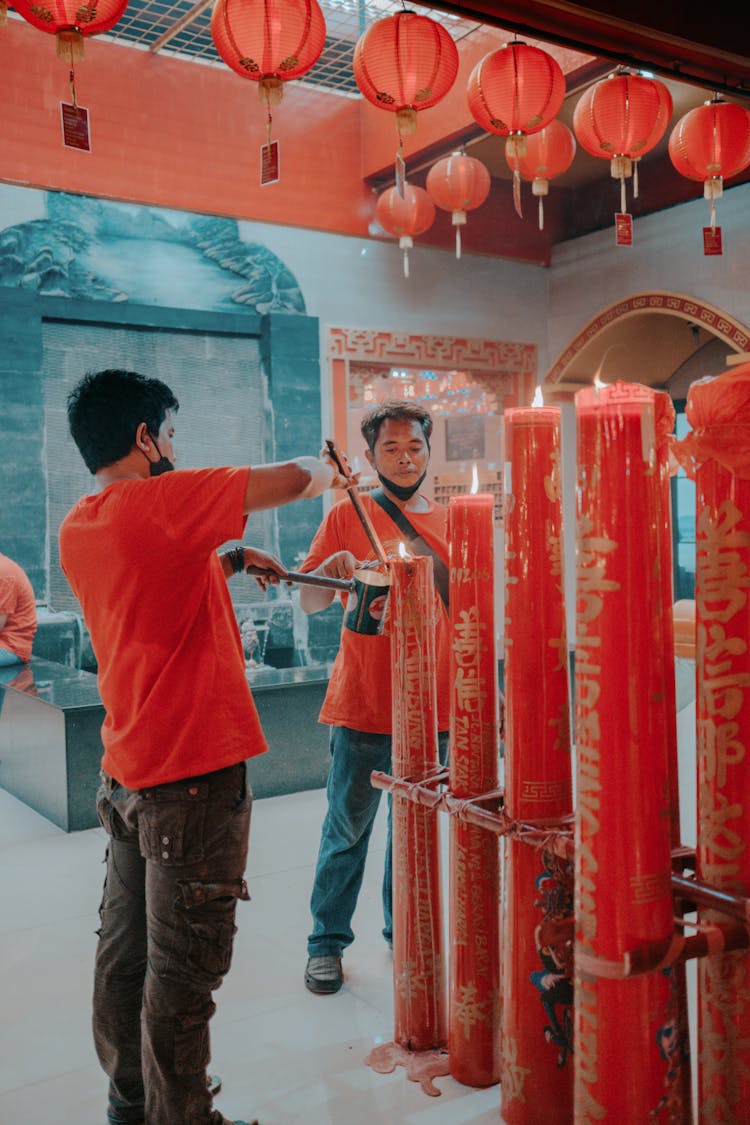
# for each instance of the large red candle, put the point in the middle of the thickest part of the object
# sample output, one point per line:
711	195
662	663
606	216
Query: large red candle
474	985
664	418
719	413
627	1046
664	421
537	1023
418	972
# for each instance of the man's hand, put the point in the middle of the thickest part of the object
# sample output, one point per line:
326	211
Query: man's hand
340	565
345	479
267	562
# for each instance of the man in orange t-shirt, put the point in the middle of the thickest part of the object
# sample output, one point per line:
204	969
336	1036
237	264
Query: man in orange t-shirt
358	700
17	613
141	557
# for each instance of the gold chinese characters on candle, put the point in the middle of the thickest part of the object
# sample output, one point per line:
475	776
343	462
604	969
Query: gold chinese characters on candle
419	982
474	1018
537	936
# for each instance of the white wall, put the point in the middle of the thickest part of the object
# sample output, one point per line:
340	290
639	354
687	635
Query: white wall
359	283
590	274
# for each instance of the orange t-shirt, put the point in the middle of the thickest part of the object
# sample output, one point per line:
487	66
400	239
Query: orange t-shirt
359	690
17	603
141	558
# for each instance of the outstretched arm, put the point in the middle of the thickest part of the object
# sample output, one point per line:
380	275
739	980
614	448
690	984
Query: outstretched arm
270	486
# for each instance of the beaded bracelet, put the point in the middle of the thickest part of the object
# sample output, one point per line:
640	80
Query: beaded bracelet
236	557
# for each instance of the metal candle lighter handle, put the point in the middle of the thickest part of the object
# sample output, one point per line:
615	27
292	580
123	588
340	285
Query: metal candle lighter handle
346	584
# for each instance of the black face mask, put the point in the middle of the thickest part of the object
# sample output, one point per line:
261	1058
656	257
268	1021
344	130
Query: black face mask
402	491
163	465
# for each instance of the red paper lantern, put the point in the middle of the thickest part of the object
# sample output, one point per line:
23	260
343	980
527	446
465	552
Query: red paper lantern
269	41
71	21
406	216
711	143
549	153
405	63
620	119
458	183
514	92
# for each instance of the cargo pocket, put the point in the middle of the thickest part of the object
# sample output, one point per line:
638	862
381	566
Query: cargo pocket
109	818
209	913
172	823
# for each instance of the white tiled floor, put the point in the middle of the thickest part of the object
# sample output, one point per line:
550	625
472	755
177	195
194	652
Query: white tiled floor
285	1056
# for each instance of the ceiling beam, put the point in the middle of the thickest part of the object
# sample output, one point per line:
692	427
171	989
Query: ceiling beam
675	40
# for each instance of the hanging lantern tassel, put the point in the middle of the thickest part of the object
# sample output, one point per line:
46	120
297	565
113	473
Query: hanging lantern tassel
69	46
459	220
406	121
620	168
270	93
713	189
540	188
636	162
515	149
406	242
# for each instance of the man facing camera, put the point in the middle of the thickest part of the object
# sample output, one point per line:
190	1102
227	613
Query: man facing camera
357	705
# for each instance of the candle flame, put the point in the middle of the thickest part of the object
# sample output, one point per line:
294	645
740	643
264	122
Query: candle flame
599	384
538	399
474	480
404	554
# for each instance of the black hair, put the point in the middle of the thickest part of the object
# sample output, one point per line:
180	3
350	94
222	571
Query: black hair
106	408
401	411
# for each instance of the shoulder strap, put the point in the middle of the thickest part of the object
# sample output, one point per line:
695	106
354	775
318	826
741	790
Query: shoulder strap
439	569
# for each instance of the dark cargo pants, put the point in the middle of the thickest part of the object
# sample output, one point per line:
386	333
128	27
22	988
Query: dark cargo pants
175	864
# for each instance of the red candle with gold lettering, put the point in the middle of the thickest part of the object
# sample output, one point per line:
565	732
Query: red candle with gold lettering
719	412
623	1026
537	938
665	417
474	984
418	972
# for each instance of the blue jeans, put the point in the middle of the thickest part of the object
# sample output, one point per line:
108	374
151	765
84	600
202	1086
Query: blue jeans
345	837
175	863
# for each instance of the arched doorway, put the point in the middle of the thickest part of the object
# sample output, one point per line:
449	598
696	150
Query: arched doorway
664	340
648	338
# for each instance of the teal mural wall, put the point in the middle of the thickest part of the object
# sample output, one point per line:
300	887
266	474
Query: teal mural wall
89	283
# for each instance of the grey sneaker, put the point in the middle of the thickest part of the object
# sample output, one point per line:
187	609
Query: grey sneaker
324	974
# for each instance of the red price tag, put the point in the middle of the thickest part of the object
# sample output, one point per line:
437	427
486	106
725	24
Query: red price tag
624	228
75	126
269	163
712	240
